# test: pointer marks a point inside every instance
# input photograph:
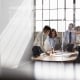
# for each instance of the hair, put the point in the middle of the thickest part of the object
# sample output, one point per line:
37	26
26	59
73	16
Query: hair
77	28
50	34
46	28
71	24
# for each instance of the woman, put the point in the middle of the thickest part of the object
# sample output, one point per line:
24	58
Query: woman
51	40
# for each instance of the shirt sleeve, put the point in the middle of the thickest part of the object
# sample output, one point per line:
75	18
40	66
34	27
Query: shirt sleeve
39	41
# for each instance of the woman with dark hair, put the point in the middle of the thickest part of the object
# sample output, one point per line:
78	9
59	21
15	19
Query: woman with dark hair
51	40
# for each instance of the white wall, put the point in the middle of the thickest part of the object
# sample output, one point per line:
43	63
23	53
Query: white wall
8	9
16	31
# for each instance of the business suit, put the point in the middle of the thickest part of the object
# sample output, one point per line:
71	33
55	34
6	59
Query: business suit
66	38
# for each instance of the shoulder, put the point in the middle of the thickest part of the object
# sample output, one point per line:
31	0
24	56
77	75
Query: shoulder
39	34
66	32
47	38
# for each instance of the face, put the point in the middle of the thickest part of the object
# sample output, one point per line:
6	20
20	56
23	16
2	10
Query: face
70	27
47	32
53	34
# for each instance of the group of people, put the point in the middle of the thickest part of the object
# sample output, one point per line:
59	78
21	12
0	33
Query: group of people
48	40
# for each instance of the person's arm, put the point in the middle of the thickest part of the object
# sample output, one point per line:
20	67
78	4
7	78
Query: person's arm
42	46
40	41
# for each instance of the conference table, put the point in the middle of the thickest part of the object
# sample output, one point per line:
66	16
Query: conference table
57	56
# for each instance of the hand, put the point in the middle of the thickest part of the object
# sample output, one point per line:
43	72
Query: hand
47	53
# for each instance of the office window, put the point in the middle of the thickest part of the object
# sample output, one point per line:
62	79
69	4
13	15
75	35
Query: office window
45	4
53	4
53	24
38	25
69	3
38	14
57	14
77	11
38	4
69	14
53	14
45	14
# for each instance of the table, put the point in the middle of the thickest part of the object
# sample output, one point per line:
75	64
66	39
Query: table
57	56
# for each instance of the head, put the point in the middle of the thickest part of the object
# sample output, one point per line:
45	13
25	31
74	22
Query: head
78	28
71	26
46	30
53	33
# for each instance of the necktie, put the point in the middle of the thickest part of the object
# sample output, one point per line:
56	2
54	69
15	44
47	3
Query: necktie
69	37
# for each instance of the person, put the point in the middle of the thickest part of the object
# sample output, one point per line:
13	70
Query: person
38	45
51	40
77	30
69	38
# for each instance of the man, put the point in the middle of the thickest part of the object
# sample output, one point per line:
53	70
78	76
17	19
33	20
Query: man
38	46
69	36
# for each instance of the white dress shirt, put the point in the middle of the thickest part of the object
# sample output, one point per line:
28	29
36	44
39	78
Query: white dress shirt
49	43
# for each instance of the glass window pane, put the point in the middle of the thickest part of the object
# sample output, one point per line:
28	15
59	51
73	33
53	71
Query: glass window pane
38	25
77	23
69	3
38	4
53	24
60	3
61	14
53	14
38	14
77	14
69	14
67	24
46	14
45	23
53	4
61	26
45	4
77	3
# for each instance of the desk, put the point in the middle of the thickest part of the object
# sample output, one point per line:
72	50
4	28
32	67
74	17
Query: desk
57	56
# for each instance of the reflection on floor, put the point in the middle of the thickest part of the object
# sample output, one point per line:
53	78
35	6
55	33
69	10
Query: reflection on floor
43	71
56	71
23	72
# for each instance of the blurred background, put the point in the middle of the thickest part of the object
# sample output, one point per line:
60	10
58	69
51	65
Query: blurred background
20	21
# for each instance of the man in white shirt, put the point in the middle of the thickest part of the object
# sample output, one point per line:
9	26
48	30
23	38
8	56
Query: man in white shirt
40	38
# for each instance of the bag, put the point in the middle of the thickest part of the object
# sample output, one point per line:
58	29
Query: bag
70	47
36	51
